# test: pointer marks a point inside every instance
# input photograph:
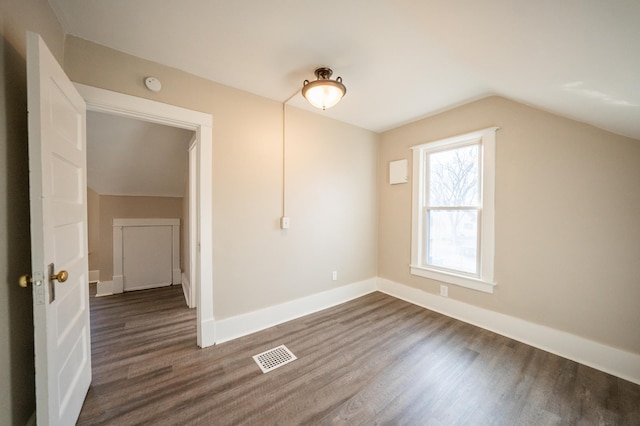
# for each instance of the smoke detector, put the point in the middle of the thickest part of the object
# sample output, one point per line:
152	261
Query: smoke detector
153	84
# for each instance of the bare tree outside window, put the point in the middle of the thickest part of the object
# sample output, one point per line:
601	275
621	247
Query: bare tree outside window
452	210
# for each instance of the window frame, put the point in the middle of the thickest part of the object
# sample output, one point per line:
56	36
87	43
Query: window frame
484	280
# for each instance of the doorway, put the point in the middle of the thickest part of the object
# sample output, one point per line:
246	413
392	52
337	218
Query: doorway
100	100
137	174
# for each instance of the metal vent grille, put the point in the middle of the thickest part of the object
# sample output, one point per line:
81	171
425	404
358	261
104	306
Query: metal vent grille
274	358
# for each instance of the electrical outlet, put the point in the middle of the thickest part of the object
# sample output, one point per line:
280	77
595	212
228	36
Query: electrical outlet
444	291
335	275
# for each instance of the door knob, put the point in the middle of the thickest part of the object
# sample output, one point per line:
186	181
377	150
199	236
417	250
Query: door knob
60	276
25	280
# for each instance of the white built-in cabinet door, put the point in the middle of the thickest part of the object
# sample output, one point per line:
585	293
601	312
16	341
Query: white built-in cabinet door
146	256
146	253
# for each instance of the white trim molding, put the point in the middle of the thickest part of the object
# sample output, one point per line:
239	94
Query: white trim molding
617	362
104	288
208	337
101	100
109	102
482	279
450	278
241	325
117	285
188	290
118	250
192	227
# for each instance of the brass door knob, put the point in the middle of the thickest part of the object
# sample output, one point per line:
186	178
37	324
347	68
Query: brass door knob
25	280
60	276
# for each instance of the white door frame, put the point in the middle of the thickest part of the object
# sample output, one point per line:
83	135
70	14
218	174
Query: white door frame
193	224
105	101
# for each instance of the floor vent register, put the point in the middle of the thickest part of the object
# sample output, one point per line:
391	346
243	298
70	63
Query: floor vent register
274	358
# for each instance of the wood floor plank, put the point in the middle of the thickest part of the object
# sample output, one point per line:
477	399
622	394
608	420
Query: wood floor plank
374	360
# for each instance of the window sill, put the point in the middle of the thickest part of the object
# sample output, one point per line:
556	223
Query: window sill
460	280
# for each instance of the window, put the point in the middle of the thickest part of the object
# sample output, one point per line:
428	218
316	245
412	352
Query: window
453	210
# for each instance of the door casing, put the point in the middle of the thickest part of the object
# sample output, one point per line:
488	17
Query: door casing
105	101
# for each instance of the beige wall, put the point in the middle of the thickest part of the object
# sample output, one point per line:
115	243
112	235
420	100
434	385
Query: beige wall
331	195
567	228
127	207
93	232
17	391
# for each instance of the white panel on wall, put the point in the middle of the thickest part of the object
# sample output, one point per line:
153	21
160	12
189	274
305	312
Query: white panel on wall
398	172
146	253
147	258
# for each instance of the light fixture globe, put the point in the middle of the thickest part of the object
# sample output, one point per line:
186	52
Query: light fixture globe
323	93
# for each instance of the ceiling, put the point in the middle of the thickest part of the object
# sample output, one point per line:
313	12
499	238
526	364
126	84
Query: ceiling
400	59
132	157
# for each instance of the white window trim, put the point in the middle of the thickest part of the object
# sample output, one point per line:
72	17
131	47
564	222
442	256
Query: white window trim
485	282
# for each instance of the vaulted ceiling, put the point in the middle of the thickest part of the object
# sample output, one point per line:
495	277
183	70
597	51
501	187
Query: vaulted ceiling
400	59
136	158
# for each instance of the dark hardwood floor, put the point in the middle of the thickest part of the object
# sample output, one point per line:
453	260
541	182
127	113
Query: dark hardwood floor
374	360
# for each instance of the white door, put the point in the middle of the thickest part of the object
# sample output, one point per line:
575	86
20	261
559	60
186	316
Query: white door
57	178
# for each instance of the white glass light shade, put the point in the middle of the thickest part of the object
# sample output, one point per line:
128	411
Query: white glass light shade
324	93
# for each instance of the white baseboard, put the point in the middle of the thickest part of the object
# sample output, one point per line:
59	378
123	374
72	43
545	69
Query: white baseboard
94	276
207	333
186	290
104	288
176	276
620	363
148	286
241	325
118	284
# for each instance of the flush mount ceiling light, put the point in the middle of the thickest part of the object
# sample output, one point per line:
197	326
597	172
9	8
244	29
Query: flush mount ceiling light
323	93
